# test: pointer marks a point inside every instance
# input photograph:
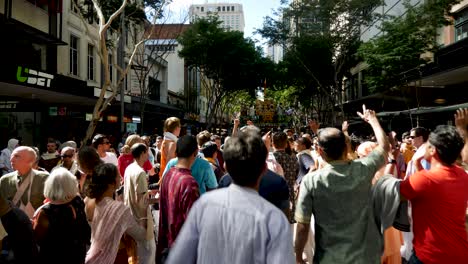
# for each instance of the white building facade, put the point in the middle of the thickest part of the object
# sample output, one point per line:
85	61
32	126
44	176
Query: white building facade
231	15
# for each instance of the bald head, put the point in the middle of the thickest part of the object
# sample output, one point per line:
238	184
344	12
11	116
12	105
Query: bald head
22	159
333	143
28	151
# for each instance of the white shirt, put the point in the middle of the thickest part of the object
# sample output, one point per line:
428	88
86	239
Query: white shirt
233	225
110	158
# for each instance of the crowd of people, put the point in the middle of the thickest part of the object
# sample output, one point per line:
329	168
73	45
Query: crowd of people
253	197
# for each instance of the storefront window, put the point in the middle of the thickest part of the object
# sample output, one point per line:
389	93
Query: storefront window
461	25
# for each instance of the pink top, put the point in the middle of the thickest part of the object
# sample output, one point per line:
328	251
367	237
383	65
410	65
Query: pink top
110	221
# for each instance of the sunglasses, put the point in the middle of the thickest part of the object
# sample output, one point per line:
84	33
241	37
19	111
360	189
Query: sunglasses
412	137
67	156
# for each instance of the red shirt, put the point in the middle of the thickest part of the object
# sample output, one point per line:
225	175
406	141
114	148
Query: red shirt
127	159
439	199
178	191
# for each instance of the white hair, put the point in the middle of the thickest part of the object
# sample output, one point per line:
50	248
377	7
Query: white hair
61	186
65	149
69	144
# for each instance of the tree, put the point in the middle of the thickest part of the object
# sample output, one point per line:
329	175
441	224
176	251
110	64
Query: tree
235	102
226	61
108	14
403	42
320	38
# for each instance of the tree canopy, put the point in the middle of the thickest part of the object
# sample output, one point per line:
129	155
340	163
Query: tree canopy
403	43
320	38
227	60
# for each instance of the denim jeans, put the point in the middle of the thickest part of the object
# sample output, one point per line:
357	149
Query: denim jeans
414	259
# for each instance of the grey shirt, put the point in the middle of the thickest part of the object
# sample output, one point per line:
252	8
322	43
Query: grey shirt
233	225
339	196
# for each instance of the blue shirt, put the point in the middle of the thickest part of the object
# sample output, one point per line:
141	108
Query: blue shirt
201	171
233	225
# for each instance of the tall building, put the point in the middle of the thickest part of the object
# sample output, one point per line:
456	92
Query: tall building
231	15
275	52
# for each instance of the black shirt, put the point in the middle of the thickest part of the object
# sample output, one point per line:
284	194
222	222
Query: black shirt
273	188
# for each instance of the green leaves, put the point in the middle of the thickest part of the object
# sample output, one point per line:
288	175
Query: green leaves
403	40
224	56
134	10
320	38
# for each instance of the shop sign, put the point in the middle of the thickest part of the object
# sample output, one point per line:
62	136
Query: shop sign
127	119
8	104
112	119
33	77
62	111
131	127
136	119
53	111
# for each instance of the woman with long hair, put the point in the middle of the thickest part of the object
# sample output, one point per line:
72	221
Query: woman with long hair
109	219
88	159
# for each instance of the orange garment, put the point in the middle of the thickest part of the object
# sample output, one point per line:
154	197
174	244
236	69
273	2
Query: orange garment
407	152
164	157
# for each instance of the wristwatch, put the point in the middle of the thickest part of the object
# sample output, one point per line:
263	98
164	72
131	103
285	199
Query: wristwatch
392	161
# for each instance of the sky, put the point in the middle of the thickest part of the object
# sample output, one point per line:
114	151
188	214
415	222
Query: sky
254	11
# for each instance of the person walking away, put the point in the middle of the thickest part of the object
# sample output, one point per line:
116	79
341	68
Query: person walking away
179	191
234	224
201	169
136	197
210	152
17	226
338	196
60	227
304	159
439	197
289	165
168	147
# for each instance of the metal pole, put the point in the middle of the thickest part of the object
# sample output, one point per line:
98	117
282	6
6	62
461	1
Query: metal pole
122	65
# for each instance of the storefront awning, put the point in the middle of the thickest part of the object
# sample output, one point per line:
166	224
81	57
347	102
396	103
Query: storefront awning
425	110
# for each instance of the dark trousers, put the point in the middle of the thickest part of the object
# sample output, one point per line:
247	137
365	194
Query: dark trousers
414	259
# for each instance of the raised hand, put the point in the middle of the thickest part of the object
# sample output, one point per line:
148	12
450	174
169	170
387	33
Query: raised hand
236	122
367	115
461	120
344	126
395	151
267	140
